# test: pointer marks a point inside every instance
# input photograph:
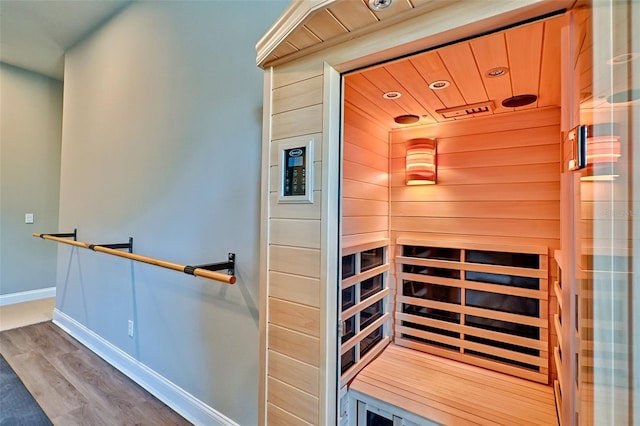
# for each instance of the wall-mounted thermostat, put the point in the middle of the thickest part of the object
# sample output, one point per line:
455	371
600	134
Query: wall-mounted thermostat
296	172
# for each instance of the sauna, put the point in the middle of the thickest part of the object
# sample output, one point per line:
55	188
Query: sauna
430	175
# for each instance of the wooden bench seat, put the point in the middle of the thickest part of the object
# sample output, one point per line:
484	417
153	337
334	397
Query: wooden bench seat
452	393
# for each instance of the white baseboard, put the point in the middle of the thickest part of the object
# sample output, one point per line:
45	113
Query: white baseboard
27	296
182	402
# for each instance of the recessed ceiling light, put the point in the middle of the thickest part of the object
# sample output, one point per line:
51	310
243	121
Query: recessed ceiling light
406	119
623	59
379	4
497	72
519	100
391	95
439	85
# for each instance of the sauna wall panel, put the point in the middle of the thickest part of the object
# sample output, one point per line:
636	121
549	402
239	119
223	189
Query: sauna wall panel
365	181
293	328
498	182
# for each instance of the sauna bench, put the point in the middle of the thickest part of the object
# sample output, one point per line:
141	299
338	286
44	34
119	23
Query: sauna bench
410	383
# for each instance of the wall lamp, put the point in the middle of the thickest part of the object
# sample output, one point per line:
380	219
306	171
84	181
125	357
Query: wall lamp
421	162
603	151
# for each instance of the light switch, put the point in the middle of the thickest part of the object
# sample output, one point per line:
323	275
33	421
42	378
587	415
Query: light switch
28	218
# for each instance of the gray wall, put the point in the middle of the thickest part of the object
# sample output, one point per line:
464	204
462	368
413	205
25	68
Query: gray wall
162	142
30	136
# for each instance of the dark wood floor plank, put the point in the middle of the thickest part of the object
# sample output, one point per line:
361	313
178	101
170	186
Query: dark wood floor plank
76	387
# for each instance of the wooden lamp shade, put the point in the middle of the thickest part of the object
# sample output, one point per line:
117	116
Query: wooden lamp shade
421	162
603	151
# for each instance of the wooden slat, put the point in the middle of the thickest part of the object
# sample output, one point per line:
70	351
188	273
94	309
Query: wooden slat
483	125
302	318
499	227
295	288
477	361
364	190
472	285
539	210
348	282
540	272
359	207
293	400
352	14
278	416
385	81
479	312
361	96
364	156
303	121
299	95
362	224
550	66
294	260
463	69
293	372
544	191
503	157
324	25
524	64
491	52
296	345
490	141
365	303
414	84
473	245
295	233
431	68
302	38
496	175
364	173
473	331
295	210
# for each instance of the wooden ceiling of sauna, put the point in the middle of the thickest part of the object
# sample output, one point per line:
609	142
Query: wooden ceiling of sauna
530	52
341	20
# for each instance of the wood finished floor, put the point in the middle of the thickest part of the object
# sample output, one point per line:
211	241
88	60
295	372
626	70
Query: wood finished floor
76	387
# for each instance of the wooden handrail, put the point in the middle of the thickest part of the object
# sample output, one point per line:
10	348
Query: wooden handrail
199	272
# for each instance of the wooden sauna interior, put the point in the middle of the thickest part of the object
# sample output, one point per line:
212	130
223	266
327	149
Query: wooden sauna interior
462	269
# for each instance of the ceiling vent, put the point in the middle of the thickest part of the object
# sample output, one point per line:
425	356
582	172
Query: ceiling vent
467	110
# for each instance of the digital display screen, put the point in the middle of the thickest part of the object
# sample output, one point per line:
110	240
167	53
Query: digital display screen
295	173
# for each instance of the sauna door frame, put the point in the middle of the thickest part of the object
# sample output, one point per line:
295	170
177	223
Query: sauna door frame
333	132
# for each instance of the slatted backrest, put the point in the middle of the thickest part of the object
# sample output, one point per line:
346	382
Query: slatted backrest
482	304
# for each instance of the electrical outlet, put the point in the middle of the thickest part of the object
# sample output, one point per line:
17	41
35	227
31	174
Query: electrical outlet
28	218
130	328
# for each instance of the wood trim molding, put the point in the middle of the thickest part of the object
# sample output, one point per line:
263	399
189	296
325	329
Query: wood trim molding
181	401
329	244
290	19
27	296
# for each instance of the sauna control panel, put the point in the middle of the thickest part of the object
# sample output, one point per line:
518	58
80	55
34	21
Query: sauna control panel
296	171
